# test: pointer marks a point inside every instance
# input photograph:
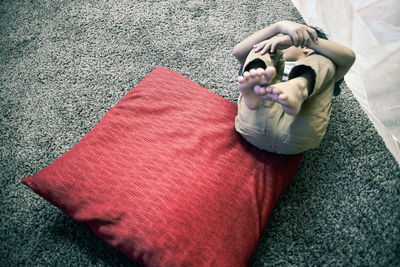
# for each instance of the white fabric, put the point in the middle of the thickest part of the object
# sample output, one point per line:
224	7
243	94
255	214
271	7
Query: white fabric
288	67
372	29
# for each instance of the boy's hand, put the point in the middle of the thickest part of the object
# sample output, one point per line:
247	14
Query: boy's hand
301	34
280	41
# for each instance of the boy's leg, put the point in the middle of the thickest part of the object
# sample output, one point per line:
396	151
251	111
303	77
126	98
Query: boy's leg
258	72
256	60
306	130
252	85
320	96
251	123
310	79
270	128
292	93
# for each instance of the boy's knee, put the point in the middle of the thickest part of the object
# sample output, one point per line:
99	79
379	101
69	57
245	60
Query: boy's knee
255	64
257	60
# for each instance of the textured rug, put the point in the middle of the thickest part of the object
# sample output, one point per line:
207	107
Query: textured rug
64	64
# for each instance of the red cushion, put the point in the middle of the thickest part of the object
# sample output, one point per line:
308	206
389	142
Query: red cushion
165	178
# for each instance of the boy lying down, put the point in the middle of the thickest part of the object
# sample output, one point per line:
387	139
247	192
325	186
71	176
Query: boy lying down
286	83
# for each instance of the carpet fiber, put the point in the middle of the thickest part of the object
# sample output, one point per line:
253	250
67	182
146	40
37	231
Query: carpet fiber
64	64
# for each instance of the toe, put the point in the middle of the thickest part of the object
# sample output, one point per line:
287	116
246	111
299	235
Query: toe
253	72
259	90
283	97
276	91
260	72
270	72
269	96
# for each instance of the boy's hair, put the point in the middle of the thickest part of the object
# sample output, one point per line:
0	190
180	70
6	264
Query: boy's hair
320	32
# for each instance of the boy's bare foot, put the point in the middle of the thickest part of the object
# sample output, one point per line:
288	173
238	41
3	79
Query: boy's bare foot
290	94
253	85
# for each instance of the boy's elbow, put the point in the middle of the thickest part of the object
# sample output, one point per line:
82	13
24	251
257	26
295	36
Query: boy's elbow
349	59
236	52
352	57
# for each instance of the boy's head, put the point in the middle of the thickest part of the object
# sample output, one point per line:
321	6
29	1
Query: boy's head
298	52
295	53
338	84
320	33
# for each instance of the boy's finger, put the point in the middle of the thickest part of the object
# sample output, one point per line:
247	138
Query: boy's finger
301	38
306	37
306	40
259	47
265	49
313	33
273	46
294	38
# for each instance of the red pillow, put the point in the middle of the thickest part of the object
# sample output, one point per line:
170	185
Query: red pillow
165	178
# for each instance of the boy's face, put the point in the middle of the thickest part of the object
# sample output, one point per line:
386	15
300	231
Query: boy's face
295	53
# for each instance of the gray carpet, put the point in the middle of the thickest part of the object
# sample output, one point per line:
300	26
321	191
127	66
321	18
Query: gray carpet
64	64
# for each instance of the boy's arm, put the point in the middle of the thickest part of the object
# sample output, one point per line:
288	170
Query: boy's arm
242	49
299	33
342	56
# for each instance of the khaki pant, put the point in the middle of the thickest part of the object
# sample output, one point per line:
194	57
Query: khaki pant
270	128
